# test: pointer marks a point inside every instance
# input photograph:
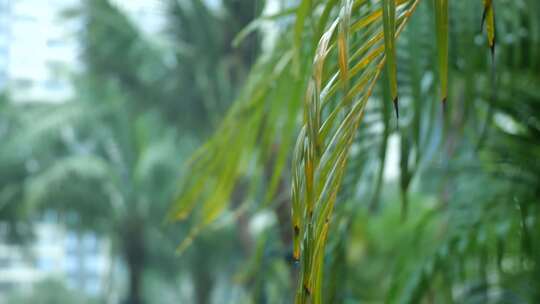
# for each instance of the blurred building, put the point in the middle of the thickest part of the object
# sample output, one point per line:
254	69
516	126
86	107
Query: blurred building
38	46
4	38
38	49
82	261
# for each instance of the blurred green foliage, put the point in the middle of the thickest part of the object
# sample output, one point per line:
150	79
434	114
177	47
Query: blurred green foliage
49	291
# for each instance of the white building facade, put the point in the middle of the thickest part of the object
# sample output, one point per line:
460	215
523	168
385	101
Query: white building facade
81	260
38	49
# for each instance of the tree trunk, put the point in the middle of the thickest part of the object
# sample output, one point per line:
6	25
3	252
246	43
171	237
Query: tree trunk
204	284
134	254
135	282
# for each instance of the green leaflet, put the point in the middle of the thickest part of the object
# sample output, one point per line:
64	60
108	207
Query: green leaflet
441	27
323	19
301	14
343	45
256	24
297	194
488	17
389	26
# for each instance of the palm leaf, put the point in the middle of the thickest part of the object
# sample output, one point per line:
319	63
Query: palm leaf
488	18
324	145
441	26
389	25
238	148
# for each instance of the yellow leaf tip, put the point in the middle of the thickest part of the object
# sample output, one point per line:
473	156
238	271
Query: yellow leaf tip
296	256
444	104
307	290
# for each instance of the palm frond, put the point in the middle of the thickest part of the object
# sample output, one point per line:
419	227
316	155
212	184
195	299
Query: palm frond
325	140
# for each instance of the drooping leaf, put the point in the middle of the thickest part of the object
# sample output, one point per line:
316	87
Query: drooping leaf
488	18
441	26
343	42
389	25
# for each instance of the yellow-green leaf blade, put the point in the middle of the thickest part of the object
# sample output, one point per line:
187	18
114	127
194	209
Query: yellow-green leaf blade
488	17
441	26
389	27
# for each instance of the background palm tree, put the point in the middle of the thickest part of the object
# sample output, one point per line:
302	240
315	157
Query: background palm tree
116	175
31	137
114	171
